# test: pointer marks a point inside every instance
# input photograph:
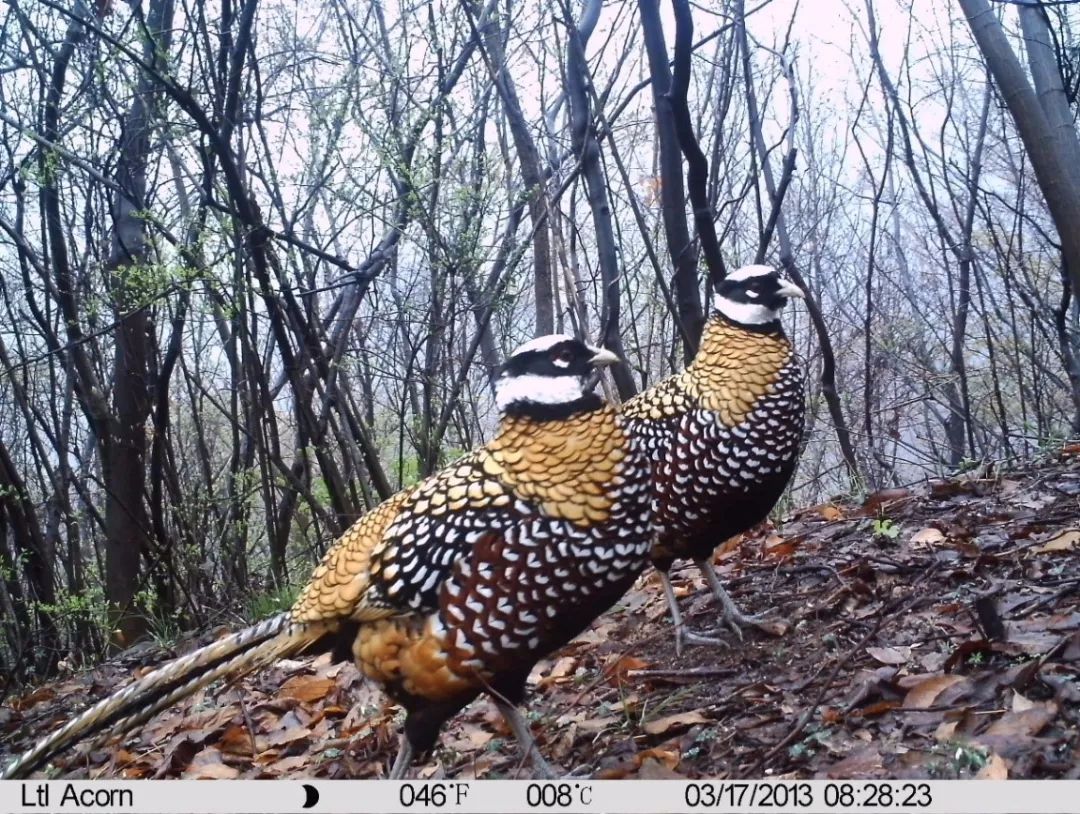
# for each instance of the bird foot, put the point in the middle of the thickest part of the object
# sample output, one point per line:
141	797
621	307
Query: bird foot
732	616
736	620
684	637
542	770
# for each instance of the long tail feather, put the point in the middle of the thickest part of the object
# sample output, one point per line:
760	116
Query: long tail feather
234	655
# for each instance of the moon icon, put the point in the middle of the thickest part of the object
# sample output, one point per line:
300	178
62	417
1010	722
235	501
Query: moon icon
311	795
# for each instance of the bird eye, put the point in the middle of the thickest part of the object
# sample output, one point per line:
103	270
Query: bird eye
562	357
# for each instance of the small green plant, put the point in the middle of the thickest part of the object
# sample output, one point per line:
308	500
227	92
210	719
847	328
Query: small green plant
967	465
809	746
333	753
582	678
702	742
262	604
162	625
664	706
629	708
976	659
886	529
967	757
88	606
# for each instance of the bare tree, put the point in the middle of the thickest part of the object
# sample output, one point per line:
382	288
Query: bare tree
1054	154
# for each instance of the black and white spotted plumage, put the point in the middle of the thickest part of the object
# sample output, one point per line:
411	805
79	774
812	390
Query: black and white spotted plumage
458	585
724	435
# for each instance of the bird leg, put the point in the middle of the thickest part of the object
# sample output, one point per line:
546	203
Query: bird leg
683	635
403	760
733	617
541	768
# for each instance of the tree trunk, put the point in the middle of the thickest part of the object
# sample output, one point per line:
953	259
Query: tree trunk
35	557
1050	158
531	174
787	256
132	279
1054	101
672	190
587	147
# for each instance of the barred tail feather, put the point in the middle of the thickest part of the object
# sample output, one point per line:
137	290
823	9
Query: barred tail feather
234	655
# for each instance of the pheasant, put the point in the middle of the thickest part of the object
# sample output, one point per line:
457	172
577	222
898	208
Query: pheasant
460	584
723	436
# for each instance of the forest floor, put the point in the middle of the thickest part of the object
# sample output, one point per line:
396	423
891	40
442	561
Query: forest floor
928	632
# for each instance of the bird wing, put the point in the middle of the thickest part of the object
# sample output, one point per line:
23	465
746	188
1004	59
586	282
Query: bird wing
665	400
340	583
393	560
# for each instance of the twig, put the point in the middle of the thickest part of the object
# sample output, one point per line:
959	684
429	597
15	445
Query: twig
1068	587
813	677
703	672
247	721
804	719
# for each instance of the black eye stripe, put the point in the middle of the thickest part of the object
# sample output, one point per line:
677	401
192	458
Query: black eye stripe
565	358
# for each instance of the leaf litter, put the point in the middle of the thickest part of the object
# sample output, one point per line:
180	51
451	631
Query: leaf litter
949	648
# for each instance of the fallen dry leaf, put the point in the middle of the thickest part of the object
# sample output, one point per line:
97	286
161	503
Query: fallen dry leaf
1010	487
616	671
591	724
39	695
678	720
290	734
212	771
927	537
864	761
1067	540
1020	703
831	715
307	688
877	708
669	757
729	545
831	512
470	736
563	667
946	731
585	720
773	627
781	548
294	764
995	768
236	740
652	769
1027	723
925	693
207	765
1015	732
620	772
890	655
879	498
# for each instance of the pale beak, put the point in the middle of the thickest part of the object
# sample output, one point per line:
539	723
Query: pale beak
789	289
602	357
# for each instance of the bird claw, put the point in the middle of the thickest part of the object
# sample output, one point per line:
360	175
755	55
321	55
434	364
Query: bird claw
736	620
684	637
542	770
580	773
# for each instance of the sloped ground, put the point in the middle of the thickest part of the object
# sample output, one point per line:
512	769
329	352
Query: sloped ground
930	632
